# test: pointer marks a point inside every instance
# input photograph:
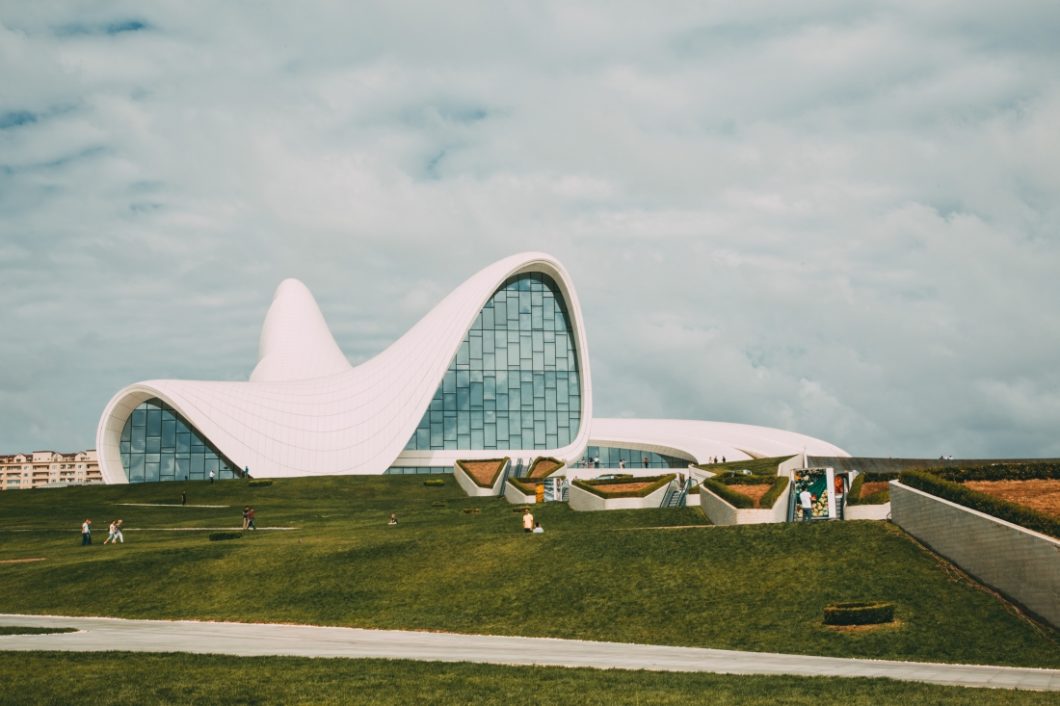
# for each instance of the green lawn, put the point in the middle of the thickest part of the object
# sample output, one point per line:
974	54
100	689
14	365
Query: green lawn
591	575
143	679
757	466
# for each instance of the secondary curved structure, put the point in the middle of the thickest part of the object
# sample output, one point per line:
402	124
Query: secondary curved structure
501	364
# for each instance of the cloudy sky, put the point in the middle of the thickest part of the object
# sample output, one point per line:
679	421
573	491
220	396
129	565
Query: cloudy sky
837	218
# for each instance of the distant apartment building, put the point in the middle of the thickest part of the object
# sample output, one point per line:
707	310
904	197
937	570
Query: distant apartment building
48	468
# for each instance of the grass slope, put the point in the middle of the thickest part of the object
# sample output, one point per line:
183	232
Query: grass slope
145	679
591	575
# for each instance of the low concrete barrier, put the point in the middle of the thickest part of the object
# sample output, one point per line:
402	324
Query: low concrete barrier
1022	564
721	513
518	497
867	512
583	500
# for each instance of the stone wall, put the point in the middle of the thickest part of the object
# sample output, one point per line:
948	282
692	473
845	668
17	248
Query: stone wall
1023	565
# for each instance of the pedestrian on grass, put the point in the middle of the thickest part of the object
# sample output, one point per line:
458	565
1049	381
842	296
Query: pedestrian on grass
393	519
538	529
246	516
183	498
528	521
86	532
111	531
118	536
211	476
250	519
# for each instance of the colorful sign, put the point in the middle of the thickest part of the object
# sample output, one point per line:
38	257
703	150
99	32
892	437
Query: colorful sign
819	483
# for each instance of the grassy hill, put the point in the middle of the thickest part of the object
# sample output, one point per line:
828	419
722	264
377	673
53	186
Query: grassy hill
464	565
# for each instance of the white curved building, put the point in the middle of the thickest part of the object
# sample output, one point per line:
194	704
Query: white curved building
498	367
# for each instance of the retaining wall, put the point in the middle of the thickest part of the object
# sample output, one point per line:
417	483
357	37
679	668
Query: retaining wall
1022	564
722	513
469	486
583	500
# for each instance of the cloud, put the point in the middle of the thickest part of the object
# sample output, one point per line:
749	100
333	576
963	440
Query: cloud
835	219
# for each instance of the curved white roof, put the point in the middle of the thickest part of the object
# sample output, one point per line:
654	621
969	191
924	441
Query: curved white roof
307	411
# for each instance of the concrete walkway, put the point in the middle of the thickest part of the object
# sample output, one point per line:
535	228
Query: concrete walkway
256	639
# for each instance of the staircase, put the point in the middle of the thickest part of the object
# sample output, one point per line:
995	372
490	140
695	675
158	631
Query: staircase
675	496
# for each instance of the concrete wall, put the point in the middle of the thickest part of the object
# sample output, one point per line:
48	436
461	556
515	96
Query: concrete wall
1022	564
518	497
583	500
473	489
867	512
722	513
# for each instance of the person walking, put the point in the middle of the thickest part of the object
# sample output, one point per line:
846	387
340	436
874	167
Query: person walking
211	476
806	502
250	519
86	532
118	536
183	498
528	521
111	531
246	516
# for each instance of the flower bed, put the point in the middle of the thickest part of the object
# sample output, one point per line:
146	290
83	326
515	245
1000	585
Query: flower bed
484	473
544	466
624	487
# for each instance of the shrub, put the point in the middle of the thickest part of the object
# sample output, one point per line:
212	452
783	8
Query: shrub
222	536
1002	509
780	483
730	496
859	613
1001	471
259	483
599	487
746	480
434	482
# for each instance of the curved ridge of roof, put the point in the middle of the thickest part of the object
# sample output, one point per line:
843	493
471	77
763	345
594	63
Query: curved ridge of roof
304	414
296	342
704	440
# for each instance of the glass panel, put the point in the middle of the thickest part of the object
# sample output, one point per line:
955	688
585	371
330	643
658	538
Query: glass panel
162	445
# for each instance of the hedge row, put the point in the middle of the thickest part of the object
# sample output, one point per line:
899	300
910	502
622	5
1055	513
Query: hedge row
596	487
780	483
259	483
501	463
865	613
1002	509
746	480
723	491
1001	471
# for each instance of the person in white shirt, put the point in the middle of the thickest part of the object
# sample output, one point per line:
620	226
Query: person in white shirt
806	501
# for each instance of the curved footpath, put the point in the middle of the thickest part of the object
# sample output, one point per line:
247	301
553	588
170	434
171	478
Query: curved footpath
257	639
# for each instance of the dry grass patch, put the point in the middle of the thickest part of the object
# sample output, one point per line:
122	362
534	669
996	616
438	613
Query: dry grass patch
544	467
1042	495
755	492
484	473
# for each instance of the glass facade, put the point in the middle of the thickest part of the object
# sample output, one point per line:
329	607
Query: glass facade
417	470
609	456
158	444
514	381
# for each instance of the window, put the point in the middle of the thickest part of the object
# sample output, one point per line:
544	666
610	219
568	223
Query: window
158	444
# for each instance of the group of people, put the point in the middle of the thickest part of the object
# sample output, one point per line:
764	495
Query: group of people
248	518
114	533
529	525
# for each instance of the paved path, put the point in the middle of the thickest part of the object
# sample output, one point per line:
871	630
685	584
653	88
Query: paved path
255	639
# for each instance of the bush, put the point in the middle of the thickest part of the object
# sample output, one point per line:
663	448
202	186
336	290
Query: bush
434	482
746	480
780	483
259	483
1002	509
861	613
730	496
1001	471
598	487
222	536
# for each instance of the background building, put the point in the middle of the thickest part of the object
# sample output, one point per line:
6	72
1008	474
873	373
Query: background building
48	468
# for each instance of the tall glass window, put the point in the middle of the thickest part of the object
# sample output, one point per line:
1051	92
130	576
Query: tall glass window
158	444
513	383
610	456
